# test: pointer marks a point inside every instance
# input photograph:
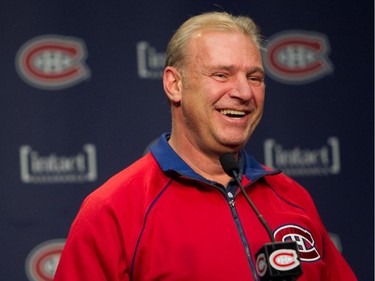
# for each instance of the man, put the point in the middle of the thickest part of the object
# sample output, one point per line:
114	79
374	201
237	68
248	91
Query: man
175	214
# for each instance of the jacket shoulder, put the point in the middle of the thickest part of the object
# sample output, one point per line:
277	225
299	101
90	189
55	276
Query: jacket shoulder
289	190
138	183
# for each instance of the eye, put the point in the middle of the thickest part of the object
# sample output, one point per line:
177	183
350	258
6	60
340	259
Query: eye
220	76
256	80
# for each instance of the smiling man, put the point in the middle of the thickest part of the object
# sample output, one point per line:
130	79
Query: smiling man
175	214
217	96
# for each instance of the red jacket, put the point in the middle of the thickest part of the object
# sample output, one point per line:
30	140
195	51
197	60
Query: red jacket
158	220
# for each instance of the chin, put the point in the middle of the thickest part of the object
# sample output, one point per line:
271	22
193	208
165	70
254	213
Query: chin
234	146
232	140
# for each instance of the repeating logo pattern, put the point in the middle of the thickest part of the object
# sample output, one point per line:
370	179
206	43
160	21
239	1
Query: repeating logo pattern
52	62
53	168
297	161
150	61
293	57
42	261
297	57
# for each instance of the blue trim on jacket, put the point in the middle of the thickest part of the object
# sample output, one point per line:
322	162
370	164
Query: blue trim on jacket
169	161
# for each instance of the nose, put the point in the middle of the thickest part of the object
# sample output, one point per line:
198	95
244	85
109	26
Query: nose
242	89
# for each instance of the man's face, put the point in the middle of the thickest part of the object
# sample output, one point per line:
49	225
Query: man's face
222	91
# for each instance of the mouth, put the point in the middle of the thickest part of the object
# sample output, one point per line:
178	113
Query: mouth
233	113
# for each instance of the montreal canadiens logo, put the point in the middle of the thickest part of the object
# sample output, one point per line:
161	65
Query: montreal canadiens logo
42	261
52	62
297	57
284	259
303	238
261	265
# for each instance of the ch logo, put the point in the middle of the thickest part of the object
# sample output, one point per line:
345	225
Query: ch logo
298	57
303	238
52	62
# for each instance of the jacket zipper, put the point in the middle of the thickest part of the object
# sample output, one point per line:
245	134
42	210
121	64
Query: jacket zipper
231	202
230	199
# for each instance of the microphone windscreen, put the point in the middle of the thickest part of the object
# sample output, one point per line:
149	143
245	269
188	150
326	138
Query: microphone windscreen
229	164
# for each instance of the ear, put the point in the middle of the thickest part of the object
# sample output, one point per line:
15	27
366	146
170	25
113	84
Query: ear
172	84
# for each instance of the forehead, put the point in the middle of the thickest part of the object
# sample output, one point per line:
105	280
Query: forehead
223	48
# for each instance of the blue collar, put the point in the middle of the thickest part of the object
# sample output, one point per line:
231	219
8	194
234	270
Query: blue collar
170	162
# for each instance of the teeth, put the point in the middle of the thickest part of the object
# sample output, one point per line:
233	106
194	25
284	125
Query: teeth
232	112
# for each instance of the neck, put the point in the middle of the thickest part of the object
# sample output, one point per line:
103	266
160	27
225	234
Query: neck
203	163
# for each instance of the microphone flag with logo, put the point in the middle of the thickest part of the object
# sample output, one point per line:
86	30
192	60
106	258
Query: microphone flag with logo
275	261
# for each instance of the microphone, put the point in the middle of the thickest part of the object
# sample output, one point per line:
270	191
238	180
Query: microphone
275	261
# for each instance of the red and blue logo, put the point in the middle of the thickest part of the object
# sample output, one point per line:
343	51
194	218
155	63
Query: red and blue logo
303	238
42	261
297	57
284	259
52	62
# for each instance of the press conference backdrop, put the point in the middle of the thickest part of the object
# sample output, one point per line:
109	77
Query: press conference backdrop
81	98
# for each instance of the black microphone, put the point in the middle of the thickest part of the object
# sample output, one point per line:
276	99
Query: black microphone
275	261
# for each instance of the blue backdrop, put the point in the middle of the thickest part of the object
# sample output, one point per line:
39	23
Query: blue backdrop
81	98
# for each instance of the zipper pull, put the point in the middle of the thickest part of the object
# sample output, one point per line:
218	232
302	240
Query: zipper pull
230	199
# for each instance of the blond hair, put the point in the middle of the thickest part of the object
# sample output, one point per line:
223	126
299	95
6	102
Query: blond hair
211	21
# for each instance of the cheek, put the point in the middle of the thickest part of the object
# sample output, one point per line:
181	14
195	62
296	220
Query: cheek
259	97
203	94
193	105
201	97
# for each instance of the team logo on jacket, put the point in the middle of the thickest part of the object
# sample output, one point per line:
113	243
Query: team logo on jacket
303	238
52	62
298	57
42	261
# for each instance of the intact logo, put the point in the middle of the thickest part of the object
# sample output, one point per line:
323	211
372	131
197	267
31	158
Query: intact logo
297	161
298	57
52	62
42	261
53	168
150	61
303	238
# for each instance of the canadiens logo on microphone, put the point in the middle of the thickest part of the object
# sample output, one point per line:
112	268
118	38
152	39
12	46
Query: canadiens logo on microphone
52	62
284	259
261	264
298	57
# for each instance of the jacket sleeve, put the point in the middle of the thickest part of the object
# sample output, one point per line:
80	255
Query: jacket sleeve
93	250
336	267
